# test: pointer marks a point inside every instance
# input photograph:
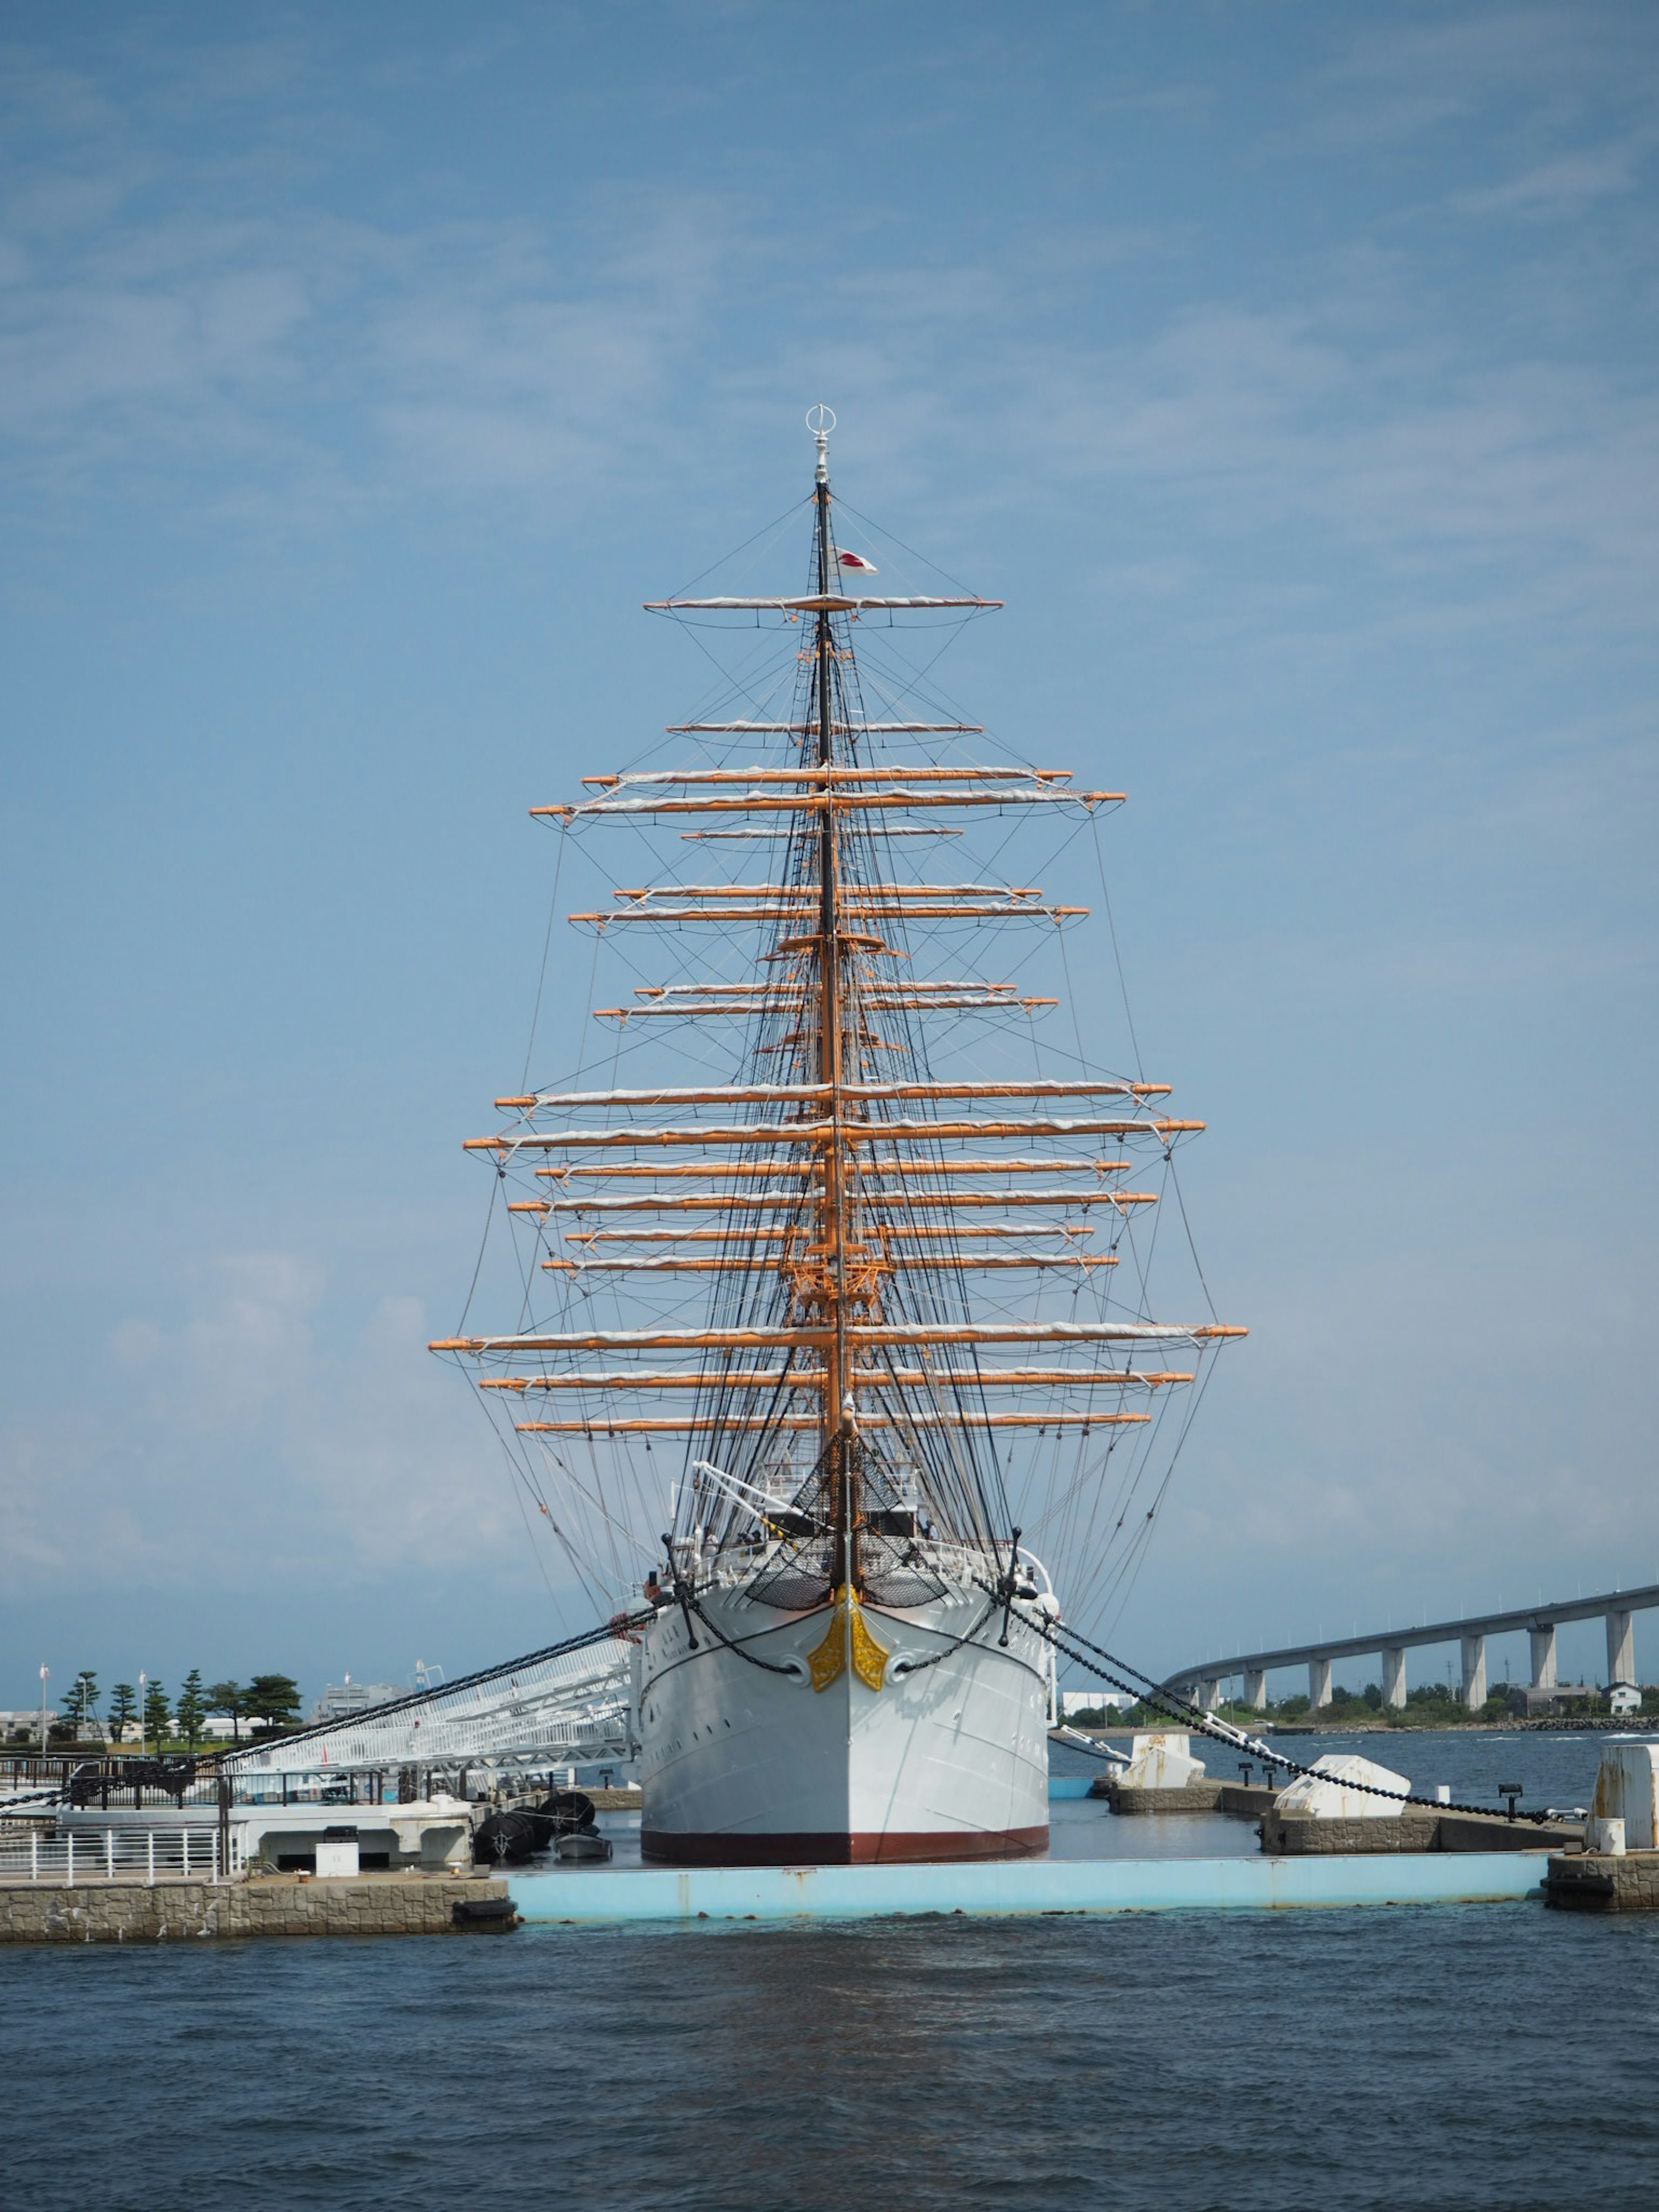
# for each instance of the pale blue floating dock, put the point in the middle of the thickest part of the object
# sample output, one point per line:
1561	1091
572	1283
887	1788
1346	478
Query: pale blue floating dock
1070	1785
606	1896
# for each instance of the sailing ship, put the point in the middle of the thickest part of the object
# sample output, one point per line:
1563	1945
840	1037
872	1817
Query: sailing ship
836	1268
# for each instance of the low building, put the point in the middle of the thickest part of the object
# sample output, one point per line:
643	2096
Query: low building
1527	1701
340	1700
24	1721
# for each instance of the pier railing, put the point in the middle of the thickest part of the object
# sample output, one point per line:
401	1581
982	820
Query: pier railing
147	1854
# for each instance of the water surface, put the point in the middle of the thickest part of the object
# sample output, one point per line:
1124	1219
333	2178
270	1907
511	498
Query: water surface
1499	2056
1465	2056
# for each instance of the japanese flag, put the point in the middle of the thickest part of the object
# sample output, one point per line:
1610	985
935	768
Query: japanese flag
857	561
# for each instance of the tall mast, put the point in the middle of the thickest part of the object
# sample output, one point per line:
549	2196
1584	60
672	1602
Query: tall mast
837	1209
837	1401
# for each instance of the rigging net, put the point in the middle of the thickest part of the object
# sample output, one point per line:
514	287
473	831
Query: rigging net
847	1268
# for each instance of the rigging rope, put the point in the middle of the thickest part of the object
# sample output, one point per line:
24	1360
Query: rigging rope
1106	1667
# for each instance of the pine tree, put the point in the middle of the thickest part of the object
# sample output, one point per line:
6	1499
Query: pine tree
158	1714
193	1707
229	1698
123	1709
273	1701
83	1700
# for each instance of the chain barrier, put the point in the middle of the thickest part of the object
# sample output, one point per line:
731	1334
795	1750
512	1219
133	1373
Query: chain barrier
1146	1691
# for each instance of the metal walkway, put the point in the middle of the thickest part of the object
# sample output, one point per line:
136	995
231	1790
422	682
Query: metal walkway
567	1705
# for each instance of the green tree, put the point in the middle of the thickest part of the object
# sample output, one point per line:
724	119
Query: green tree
273	1700
193	1708
123	1709
229	1698
82	1699
158	1714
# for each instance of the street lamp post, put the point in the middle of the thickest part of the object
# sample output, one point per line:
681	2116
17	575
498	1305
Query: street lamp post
142	1679
44	1671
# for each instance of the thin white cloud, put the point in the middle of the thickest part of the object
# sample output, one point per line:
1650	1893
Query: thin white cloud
1564	186
245	1430
1394	79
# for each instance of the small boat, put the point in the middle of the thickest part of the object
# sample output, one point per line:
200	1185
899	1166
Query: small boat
582	1844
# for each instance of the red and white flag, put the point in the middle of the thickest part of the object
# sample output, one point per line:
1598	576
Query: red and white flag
858	560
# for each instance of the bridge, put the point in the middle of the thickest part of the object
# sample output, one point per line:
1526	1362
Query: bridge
1201	1685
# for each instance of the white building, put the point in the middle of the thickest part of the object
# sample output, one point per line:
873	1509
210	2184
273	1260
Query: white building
25	1719
1093	1701
340	1700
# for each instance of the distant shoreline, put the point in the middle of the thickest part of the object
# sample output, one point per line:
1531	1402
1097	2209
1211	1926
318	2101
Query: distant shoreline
1584	1724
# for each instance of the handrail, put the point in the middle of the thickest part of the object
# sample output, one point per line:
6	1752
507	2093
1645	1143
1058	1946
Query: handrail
149	1854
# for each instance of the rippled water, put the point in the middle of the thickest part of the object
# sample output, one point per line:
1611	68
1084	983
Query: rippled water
1458	2056
1494	2056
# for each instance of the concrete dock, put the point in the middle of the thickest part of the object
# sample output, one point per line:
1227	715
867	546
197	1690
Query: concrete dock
1414	1828
271	1904
392	1904
610	1896
1604	1881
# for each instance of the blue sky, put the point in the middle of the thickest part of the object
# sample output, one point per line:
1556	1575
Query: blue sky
1289	370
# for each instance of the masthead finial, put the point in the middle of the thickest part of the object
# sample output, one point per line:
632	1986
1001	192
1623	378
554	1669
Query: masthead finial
821	421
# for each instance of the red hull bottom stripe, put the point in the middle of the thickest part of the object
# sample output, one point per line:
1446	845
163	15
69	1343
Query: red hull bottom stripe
804	1847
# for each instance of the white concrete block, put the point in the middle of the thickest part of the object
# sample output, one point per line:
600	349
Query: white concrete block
1160	1759
337	1851
1605	1837
1627	1790
1322	1794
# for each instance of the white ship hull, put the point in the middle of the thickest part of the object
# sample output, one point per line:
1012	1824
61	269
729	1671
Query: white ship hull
744	1766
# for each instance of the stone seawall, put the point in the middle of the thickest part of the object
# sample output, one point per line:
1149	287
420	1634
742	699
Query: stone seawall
1597	1882
169	1911
1415	1828
1203	1795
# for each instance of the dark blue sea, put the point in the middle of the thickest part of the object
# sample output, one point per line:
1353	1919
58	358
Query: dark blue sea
1457	2056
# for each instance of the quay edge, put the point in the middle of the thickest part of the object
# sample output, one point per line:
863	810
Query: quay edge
595	1897
1604	1881
280	1905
